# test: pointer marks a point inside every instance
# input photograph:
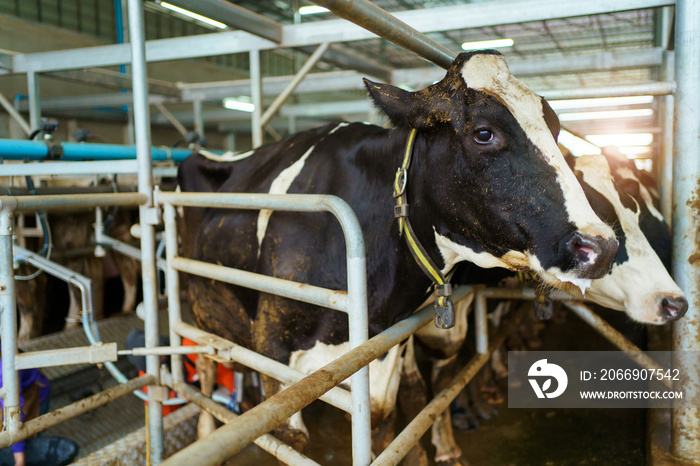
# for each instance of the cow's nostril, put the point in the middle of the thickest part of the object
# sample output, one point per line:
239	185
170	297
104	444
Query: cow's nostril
673	308
593	254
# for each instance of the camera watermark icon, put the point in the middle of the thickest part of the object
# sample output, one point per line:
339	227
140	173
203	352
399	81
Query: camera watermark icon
544	369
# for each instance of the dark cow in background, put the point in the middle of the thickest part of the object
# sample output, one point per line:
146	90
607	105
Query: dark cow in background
487	184
638	283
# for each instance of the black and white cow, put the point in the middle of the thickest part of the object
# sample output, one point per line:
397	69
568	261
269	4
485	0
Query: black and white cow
638	282
487	184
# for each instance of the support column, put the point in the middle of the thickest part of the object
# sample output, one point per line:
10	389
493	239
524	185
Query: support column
685	432
256	97
34	99
148	218
198	118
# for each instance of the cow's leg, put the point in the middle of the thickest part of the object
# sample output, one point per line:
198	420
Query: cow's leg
412	398
74	308
446	450
31	302
129	274
206	369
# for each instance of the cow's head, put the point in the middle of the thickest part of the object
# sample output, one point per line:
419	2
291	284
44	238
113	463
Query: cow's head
494	186
638	282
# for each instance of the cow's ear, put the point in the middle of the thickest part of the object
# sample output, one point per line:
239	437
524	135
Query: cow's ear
392	101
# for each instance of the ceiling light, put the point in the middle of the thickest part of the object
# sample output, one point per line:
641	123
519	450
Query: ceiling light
487	44
641	112
193	15
243	104
312	10
601	102
576	145
634	151
638	139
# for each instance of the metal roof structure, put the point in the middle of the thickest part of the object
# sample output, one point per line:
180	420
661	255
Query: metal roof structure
559	49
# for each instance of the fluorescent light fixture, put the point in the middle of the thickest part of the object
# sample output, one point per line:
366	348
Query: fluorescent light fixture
641	112
312	10
601	102
193	15
576	145
634	151
639	139
488	44
242	104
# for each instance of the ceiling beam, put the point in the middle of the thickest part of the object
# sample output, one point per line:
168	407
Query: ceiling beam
426	20
235	17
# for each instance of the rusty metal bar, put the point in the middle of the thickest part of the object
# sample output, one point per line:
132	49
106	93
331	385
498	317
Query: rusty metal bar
267	442
422	422
73	410
616	338
369	16
233	437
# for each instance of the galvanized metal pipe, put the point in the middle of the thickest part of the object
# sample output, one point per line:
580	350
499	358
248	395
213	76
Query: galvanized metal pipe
8	322
666	144
230	351
72	201
411	435
96	354
148	218
374	19
685	432
66	413
256	97
171	118
198	117
296	80
34	99
15	114
168	350
233	437
172	280
337	300
656	88
482	328
267	442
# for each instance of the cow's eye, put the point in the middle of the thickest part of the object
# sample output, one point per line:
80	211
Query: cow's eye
483	136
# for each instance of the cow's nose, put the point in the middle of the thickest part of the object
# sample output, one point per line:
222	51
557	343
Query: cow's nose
673	307
593	254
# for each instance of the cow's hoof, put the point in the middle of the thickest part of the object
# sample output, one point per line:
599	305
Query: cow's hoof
484	410
452	462
464	421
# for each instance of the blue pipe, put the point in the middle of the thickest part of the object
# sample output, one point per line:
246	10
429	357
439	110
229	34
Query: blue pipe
18	149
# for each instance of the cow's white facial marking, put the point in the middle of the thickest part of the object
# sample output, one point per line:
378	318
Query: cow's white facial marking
280	185
490	74
627	174
452	253
384	374
637	284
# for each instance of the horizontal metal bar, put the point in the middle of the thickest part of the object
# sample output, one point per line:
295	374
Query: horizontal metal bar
167	350
234	16
411	435
655	88
337	300
72	201
233	437
80	168
73	410
267	442
425	20
95	354
338	397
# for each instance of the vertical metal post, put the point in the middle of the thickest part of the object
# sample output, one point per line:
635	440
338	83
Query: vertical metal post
172	281
148	218
198	117
34	99
685	432
8	324
482	332
666	144
256	97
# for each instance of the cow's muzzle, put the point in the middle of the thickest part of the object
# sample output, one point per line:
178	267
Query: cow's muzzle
673	307
593	255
